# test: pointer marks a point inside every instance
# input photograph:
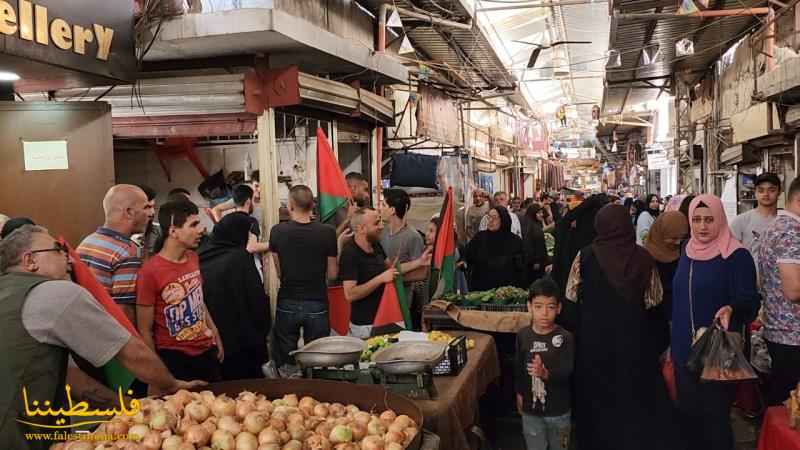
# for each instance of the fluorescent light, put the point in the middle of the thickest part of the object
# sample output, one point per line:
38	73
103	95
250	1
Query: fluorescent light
8	76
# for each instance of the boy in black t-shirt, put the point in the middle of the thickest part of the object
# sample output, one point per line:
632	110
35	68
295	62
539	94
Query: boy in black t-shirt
544	363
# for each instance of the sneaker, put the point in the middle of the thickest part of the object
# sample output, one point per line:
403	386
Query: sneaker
270	371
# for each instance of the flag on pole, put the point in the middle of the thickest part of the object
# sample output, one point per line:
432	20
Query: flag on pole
444	249
117	376
393	307
333	190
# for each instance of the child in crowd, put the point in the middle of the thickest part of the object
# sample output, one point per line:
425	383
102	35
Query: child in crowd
544	363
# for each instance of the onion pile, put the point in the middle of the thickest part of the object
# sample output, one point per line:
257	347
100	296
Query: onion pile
203	421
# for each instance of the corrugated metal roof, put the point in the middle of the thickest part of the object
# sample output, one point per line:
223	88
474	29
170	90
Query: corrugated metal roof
711	38
466	51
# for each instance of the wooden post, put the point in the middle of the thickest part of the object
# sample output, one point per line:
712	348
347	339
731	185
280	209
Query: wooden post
268	167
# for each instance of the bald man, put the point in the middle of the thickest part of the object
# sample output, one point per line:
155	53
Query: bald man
110	253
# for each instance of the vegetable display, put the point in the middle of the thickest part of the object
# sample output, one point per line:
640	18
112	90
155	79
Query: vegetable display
204	421
506	295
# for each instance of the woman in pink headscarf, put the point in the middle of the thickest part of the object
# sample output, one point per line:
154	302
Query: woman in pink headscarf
715	279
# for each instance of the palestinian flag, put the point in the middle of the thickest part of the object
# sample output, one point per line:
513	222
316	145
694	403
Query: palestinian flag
393	308
333	190
444	249
117	376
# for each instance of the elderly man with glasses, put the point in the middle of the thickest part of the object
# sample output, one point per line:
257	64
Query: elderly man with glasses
43	318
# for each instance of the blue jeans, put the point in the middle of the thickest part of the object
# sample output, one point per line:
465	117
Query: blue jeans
546	433
290	316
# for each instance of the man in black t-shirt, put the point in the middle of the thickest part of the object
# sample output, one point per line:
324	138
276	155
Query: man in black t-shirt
304	253
363	270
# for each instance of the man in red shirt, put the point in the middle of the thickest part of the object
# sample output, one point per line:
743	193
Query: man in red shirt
171	313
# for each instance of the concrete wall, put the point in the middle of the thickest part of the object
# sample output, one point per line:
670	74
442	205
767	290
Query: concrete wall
143	167
341	17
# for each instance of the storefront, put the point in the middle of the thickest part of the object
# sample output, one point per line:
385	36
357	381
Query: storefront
62	152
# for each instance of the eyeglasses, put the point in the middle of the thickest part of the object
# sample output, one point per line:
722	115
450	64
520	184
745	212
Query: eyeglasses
57	247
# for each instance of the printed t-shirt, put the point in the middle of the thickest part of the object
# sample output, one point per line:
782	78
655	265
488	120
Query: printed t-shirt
175	291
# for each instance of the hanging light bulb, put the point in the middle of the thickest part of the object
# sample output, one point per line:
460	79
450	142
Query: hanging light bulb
394	20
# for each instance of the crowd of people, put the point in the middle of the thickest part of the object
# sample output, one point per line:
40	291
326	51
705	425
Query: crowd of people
617	285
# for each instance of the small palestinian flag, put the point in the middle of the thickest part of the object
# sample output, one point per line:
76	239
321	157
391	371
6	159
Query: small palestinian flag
333	190
444	249
393	308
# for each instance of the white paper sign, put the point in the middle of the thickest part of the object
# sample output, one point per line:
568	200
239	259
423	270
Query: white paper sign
45	155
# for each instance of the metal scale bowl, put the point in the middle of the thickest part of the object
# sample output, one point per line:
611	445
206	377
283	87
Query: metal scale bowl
404	367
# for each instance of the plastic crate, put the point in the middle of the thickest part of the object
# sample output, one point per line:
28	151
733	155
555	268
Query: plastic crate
455	358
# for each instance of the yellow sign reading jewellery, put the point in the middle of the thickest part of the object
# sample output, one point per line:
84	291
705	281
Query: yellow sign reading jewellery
80	409
31	22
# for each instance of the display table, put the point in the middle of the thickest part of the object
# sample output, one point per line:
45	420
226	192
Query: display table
456	408
776	434
443	315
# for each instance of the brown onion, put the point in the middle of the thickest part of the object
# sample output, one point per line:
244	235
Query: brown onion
152	440
321	410
247	396
163	419
222	440
359	431
362	417
269	447
183	396
393	446
372	443
174	406
394	436
376	428
291	399
296	431
210	425
324	429
171	443
197	435
229	423
244	408
405	420
197	410
137	432
246	441
184	425
293	445
337	410
317	442
264	406
254	422
269	436
277	424
398	427
223	406
387	417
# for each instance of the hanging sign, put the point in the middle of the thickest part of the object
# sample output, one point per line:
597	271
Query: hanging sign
87	36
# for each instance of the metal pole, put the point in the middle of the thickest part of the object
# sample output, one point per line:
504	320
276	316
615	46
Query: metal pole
707	13
542	5
386	7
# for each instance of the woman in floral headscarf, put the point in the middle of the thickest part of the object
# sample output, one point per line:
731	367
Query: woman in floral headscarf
715	280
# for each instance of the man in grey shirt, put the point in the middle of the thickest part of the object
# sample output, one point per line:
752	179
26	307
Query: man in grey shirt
401	241
748	227
44	318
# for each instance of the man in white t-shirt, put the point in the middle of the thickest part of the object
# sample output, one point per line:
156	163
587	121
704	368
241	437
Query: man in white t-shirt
749	226
501	199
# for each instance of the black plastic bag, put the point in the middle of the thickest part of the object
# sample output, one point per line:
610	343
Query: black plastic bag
717	356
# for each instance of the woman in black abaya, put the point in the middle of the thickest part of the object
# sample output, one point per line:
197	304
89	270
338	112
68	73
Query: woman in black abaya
494	256
621	401
235	298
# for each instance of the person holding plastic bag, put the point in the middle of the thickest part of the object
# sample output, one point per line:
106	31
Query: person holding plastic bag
715	282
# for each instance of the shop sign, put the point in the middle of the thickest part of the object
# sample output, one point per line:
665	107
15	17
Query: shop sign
89	36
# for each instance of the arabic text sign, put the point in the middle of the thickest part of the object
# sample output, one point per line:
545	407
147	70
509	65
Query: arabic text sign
36	408
45	155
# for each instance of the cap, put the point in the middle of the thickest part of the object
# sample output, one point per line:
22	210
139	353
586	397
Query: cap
13	224
768	177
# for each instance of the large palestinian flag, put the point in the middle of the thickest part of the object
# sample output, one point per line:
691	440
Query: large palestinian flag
444	249
117	376
333	190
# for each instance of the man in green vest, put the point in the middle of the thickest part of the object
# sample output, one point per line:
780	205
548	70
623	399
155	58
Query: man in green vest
44	317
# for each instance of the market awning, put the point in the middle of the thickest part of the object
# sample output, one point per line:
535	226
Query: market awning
264	29
212	105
